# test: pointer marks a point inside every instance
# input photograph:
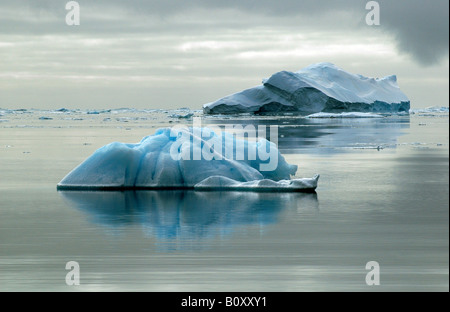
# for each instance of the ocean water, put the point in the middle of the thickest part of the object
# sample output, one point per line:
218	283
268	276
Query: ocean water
383	196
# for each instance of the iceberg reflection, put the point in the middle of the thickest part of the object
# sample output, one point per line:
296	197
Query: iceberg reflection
187	215
327	135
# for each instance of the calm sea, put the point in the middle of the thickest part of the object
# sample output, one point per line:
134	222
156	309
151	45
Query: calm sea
383	196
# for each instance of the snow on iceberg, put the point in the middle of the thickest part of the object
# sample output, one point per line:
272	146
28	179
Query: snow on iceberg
321	87
191	157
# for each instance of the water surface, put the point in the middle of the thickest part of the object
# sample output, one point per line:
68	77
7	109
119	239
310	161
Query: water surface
382	196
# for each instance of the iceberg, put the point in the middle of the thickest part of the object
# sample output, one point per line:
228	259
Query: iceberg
181	116
321	87
192	158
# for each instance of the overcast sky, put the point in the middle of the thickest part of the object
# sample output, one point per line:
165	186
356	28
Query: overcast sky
181	53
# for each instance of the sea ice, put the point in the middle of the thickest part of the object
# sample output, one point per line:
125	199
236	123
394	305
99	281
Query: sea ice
321	87
187	158
432	109
182	116
97	112
344	115
62	110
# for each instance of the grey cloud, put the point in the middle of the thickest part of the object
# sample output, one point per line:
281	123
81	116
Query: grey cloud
419	27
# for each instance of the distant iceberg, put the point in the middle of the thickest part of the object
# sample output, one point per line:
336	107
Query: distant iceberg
321	87
167	160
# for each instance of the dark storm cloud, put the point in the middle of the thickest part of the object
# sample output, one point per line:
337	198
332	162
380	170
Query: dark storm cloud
420	27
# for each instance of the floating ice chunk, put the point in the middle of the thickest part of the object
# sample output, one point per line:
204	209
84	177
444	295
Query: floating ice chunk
344	115
182	116
432	109
126	119
166	160
321	87
97	112
62	110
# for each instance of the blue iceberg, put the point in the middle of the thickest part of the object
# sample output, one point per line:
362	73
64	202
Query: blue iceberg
321	87
196	158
